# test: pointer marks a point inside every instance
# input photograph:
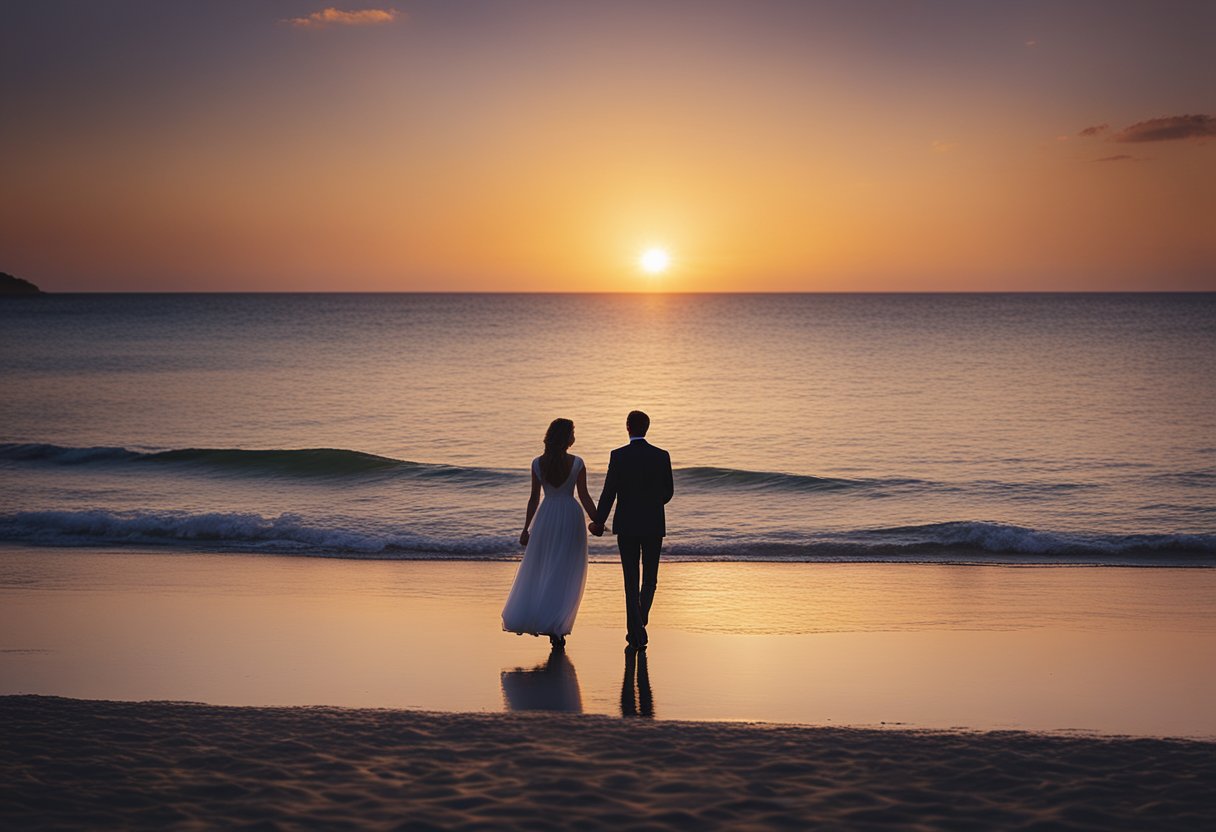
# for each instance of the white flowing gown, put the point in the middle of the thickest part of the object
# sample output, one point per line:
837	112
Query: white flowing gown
549	582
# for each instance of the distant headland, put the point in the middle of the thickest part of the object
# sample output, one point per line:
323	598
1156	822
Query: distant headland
10	285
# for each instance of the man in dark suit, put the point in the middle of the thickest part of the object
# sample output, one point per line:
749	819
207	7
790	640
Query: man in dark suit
639	481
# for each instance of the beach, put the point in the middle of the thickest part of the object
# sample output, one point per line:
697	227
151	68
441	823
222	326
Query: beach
289	693
108	765
151	690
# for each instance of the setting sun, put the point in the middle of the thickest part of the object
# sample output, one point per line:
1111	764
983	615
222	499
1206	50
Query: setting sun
654	261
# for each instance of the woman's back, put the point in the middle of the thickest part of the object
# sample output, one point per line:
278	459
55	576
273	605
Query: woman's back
566	486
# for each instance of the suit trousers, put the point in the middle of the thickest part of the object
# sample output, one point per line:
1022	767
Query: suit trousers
638	599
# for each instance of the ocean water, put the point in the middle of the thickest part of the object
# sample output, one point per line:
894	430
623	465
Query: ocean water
1024	429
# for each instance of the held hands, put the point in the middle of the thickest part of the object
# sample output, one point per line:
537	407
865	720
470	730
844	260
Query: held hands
523	538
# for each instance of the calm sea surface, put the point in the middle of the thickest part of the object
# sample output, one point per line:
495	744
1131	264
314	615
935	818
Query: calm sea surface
1006	428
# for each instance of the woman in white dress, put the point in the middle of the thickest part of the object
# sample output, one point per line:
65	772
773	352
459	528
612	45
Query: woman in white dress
549	582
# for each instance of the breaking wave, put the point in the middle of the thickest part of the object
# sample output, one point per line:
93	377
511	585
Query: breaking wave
959	541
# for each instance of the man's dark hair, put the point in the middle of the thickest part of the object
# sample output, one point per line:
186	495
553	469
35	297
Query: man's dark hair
637	422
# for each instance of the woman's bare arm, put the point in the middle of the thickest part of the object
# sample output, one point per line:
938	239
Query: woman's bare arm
533	502
584	496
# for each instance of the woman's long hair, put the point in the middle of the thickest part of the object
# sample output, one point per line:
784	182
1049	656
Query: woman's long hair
553	464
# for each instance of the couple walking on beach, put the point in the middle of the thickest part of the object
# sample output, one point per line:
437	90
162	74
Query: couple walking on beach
548	585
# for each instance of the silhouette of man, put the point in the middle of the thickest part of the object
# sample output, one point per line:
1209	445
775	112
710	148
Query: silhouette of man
639	481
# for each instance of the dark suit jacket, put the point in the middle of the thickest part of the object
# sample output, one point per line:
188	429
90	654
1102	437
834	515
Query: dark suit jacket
639	481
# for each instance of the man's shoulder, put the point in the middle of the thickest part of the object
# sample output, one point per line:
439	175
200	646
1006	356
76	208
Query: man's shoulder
640	450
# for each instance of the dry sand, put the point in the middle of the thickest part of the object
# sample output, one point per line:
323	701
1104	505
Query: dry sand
102	765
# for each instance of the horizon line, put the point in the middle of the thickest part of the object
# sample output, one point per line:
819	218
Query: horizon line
46	292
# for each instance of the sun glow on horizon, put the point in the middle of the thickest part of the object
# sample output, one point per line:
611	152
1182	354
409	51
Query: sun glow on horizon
708	161
654	261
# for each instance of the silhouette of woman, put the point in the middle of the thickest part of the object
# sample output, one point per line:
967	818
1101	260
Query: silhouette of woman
549	583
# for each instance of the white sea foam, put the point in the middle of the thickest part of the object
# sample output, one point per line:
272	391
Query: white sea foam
294	534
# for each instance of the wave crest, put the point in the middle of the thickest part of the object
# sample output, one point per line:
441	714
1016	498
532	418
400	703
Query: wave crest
318	463
291	462
713	476
340	462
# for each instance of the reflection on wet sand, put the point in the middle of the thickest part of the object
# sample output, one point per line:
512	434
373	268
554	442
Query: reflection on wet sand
636	698
550	686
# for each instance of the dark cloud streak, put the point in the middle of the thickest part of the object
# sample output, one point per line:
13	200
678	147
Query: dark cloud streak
1168	128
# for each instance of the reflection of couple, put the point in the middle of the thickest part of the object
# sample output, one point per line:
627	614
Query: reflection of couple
553	686
549	584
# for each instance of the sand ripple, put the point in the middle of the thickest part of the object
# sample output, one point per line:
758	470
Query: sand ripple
81	764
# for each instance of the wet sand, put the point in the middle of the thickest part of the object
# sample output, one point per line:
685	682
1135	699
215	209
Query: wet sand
1113	650
108	765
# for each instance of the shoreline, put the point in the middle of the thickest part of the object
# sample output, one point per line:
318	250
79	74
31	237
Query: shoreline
974	558
156	764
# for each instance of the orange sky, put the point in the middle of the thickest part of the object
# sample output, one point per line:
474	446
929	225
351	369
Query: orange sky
525	146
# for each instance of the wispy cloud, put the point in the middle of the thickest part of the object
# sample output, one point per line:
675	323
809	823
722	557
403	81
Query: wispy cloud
1122	157
1169	128
940	146
1095	130
337	17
